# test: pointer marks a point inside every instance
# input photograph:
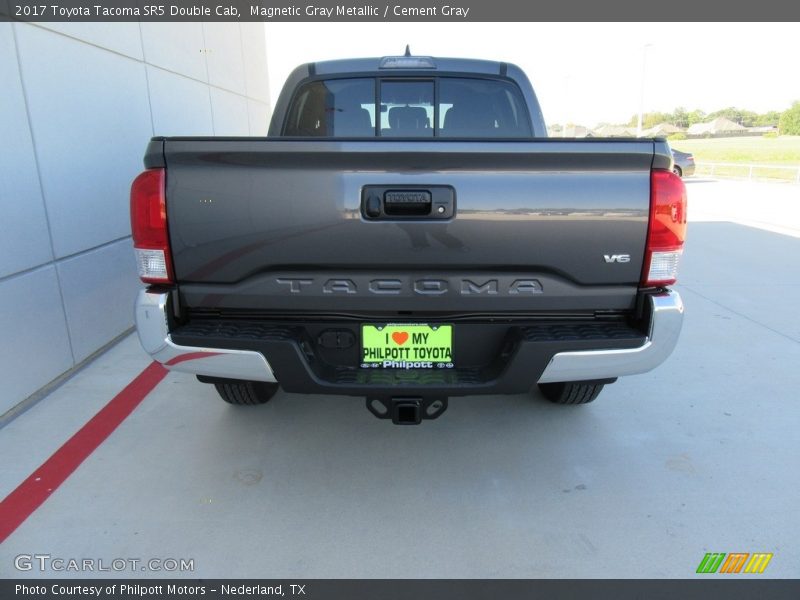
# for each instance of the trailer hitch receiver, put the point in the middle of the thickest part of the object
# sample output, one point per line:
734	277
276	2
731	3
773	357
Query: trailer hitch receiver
407	410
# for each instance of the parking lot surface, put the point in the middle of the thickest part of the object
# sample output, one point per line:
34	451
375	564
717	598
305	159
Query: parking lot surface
700	455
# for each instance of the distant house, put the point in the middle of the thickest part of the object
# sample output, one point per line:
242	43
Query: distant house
763	129
615	131
662	130
719	126
577	131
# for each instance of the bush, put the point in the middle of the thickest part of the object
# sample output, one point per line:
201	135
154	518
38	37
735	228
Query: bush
770	135
675	137
790	120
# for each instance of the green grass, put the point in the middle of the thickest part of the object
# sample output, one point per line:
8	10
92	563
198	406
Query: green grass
783	150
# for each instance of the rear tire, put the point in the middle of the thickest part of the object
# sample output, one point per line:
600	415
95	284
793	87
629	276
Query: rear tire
571	392
246	393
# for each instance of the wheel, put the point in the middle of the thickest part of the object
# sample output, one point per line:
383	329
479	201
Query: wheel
235	391
571	392
677	170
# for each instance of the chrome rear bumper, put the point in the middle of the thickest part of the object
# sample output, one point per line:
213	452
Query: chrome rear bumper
152	327
666	310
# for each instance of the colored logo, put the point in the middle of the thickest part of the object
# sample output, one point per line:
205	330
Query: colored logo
735	562
400	337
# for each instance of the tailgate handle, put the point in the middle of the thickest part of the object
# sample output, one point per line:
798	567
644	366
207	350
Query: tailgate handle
407	203
392	203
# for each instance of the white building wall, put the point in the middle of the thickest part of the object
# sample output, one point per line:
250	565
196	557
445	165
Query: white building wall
79	103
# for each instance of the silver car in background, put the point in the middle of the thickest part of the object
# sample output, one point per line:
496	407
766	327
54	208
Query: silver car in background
683	163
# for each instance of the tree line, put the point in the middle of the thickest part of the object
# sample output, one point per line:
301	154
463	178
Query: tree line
788	121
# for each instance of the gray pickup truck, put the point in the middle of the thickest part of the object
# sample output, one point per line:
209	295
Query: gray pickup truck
407	233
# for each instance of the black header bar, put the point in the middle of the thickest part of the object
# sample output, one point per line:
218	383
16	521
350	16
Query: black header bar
456	11
707	587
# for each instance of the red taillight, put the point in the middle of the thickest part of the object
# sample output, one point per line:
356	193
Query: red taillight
149	227
666	230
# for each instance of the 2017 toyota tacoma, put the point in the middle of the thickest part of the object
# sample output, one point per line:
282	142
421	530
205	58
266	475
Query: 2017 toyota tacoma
408	233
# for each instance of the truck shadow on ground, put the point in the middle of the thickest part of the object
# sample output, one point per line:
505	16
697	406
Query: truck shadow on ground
335	440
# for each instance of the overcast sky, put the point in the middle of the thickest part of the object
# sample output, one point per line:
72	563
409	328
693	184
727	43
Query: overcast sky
584	73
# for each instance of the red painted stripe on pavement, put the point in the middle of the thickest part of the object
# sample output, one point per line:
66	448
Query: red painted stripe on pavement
31	493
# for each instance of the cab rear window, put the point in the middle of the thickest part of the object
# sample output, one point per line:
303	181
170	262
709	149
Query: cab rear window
408	108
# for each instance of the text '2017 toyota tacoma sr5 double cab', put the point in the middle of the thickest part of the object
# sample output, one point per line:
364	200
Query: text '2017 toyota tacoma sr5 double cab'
407	233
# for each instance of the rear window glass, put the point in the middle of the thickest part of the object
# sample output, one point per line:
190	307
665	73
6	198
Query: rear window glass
334	108
407	108
457	107
481	108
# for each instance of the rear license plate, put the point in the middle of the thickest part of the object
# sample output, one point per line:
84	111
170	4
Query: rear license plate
411	346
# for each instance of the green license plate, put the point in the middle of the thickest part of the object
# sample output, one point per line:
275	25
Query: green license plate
404	346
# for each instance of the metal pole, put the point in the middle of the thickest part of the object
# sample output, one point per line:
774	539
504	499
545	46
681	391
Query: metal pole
641	91
566	106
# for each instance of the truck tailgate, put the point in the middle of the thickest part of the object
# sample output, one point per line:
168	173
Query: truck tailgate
543	225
